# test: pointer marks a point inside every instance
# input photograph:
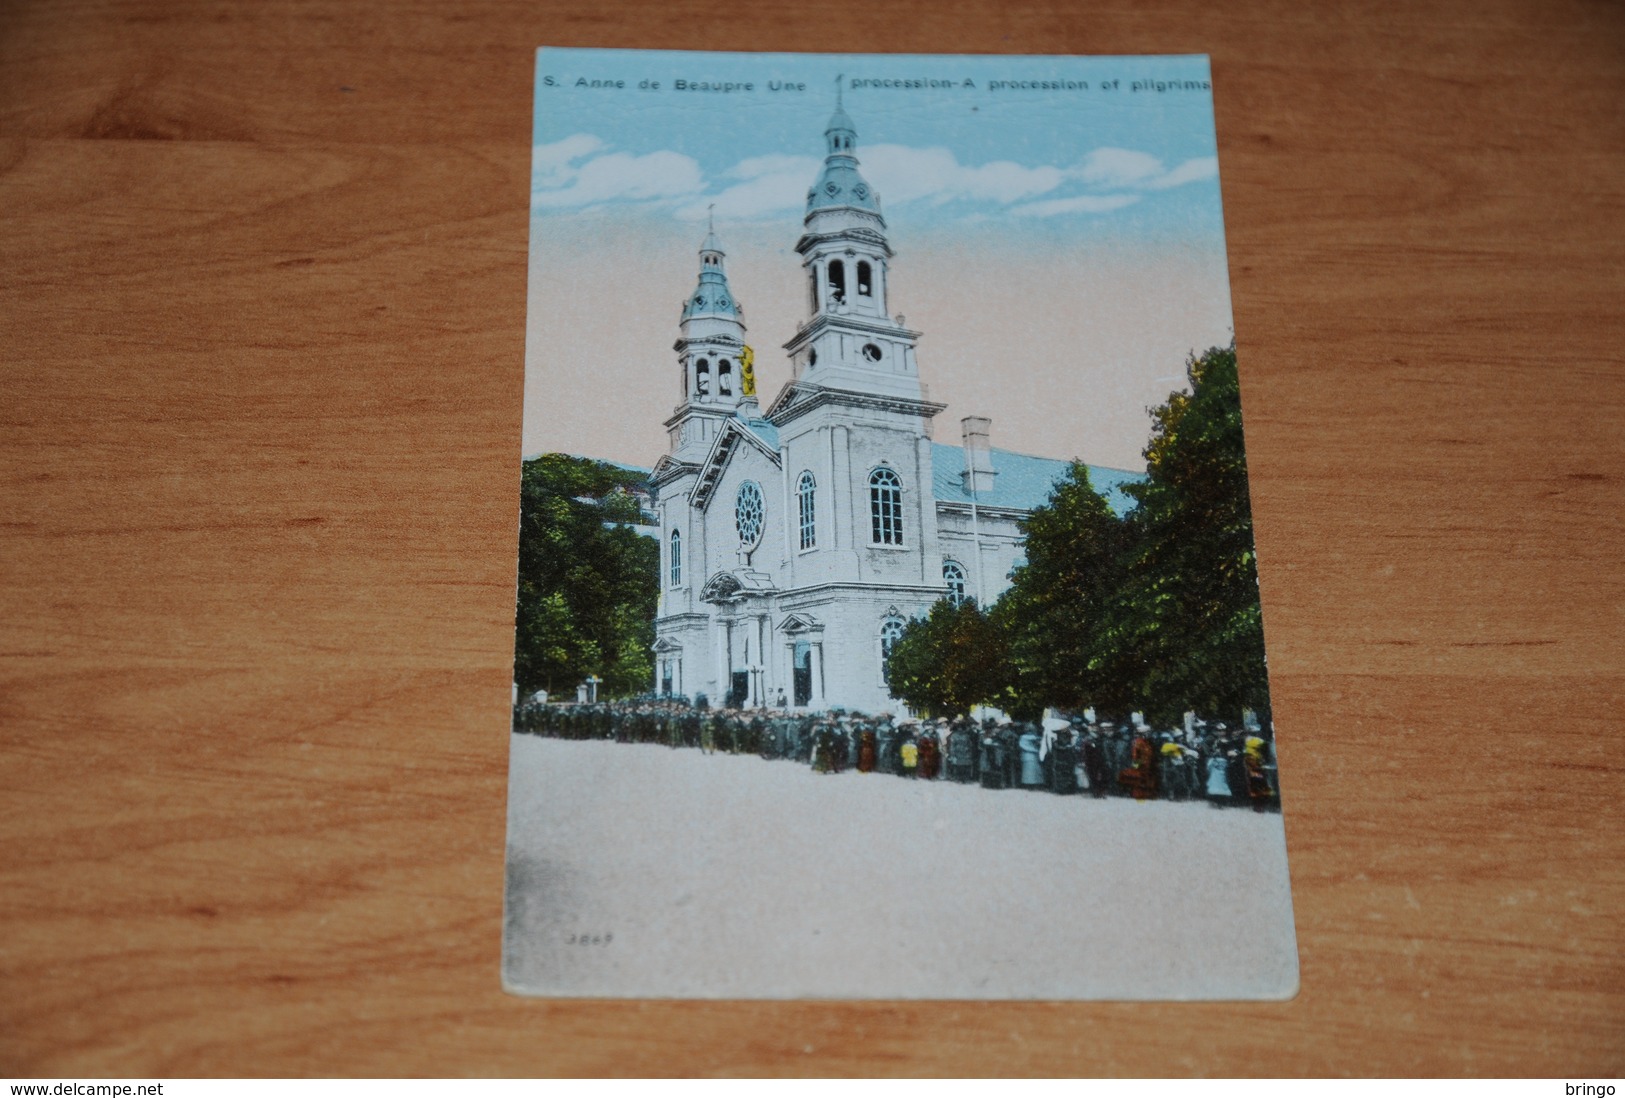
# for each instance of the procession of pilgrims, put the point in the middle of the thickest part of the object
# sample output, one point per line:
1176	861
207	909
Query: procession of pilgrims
1224	764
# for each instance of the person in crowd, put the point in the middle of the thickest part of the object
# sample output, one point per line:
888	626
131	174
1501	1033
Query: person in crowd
1258	786
930	753
992	760
823	761
868	748
963	748
1140	777
1095	771
1032	772
1063	763
1218	779
1171	768
908	754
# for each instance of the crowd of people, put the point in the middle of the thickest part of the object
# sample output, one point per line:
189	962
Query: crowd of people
1220	763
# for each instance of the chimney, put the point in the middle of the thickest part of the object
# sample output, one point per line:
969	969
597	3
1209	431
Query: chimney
978	454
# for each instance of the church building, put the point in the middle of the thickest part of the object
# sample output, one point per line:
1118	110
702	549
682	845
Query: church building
797	542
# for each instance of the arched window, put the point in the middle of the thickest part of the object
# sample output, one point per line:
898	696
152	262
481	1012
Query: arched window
837	281
702	377
891	631
805	492
813	281
885	508
954	576
865	280
676	559
725	377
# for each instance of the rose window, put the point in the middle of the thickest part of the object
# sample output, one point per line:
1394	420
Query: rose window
748	514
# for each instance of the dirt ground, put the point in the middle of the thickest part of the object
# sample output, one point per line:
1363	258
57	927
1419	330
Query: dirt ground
680	874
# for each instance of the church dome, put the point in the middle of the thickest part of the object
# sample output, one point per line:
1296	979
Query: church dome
839	183
711	296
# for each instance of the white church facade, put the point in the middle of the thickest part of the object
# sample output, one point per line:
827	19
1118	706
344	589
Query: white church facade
797	542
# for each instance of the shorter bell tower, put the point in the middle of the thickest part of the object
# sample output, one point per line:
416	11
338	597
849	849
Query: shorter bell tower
712	358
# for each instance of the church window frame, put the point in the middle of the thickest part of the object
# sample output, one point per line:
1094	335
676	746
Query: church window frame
953	577
866	279
725	378
702	377
749	514
676	558
807	510
891	631
837	282
885	507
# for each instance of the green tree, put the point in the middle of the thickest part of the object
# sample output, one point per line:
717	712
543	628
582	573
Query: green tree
949	660
588	582
1187	620
1056	616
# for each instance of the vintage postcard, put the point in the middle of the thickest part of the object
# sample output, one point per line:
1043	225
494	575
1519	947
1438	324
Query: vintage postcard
888	619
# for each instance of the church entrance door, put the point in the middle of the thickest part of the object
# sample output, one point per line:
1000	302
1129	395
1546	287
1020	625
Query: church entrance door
740	690
803	673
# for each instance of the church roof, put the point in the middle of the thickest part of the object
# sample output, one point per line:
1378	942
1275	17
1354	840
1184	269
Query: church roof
1023	482
711	296
762	429
839	183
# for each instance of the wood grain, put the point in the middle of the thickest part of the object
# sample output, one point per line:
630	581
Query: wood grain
262	272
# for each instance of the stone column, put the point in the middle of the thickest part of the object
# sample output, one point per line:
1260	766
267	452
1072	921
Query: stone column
719	638
765	658
815	656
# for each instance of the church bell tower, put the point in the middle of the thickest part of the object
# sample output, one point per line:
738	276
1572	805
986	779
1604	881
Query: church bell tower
850	340
715	370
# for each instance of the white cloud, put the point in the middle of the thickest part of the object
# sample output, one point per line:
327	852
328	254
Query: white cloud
622	176
1083	203
905	174
1109	167
1202	167
768	185
579	171
553	164
806	167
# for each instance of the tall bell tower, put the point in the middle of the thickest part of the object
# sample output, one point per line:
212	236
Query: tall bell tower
712	359
850	340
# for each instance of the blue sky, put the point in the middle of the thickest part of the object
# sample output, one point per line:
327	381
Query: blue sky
1062	249
1118	155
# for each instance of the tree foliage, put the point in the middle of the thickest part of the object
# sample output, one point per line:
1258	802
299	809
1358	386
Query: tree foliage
949	660
1188	615
1055	616
1157	611
588	582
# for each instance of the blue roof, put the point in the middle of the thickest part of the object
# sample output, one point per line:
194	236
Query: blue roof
1023	481
762	429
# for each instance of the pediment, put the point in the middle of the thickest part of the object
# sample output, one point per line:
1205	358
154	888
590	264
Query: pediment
734	586
800	623
733	435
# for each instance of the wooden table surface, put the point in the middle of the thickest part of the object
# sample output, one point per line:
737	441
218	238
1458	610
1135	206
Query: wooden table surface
262	292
